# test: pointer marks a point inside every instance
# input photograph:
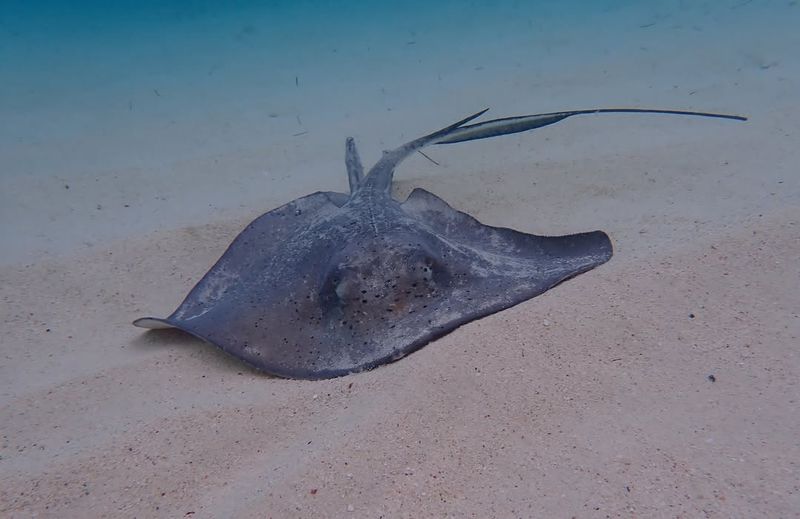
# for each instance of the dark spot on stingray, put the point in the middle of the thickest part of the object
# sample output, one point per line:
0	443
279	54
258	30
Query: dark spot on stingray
341	247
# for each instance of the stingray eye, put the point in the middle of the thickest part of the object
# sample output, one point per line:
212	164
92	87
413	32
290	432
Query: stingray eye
340	285
341	290
426	269
331	283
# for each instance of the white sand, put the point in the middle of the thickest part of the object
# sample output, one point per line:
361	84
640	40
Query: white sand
592	400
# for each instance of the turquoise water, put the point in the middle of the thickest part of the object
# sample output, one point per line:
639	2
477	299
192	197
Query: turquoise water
180	109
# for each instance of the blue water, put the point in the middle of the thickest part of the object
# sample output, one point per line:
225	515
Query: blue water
151	100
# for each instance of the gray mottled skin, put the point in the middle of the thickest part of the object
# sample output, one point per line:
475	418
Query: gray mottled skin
331	284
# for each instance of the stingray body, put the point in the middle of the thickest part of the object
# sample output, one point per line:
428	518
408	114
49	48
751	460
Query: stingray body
334	283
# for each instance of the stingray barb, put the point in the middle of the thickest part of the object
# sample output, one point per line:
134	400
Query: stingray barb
335	283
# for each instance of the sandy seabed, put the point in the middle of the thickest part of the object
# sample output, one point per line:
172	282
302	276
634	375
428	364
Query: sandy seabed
661	384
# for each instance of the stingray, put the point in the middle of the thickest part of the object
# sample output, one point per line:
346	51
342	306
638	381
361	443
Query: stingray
332	283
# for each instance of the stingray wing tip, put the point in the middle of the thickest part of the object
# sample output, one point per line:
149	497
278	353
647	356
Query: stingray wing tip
152	323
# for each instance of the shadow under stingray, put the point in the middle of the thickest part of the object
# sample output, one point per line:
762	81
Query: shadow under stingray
185	343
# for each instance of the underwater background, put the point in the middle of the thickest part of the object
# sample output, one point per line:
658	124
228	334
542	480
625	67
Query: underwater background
138	138
161	114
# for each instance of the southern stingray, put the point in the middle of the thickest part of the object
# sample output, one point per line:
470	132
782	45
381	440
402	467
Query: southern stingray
334	283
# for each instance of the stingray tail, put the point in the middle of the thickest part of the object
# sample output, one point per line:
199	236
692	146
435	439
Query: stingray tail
523	123
380	176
